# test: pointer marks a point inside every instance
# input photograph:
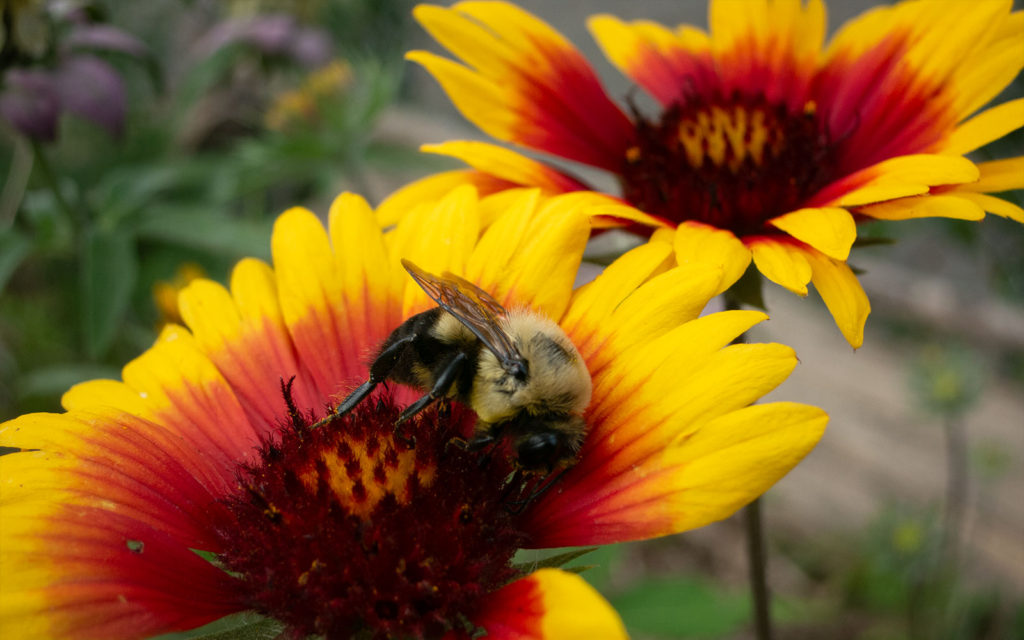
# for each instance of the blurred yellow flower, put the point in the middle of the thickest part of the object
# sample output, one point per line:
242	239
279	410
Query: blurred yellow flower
301	106
165	292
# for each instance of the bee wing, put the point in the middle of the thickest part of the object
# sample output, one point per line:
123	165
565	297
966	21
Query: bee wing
475	308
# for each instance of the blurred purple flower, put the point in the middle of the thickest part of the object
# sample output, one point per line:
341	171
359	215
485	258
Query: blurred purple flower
105	38
30	102
32	99
271	35
92	89
312	47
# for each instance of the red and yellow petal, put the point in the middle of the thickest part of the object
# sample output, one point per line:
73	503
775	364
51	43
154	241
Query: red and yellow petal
663	62
370	280
904	75
175	385
659	382
549	604
99	527
767	47
111	498
243	333
523	82
900	177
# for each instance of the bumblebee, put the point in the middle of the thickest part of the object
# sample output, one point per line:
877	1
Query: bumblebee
516	369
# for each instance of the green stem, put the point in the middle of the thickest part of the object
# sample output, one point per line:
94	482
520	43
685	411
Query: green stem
17	180
50	178
757	558
956	486
758	569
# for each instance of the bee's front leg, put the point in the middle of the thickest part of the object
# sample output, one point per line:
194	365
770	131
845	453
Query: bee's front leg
380	369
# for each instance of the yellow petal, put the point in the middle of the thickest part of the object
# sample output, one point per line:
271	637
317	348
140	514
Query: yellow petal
543	270
736	457
940	206
478	98
697	243
429	190
644	401
994	205
370	280
843	295
697	340
104	393
595	301
489	261
905	176
660	304
783	263
830	230
493	206
998	175
209	311
988	75
985	127
436	238
574	609
506	164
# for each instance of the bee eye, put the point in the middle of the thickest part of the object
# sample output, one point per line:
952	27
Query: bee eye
539	450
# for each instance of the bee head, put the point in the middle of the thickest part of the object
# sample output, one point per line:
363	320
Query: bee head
551	442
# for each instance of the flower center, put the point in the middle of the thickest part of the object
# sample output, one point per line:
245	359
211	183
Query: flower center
733	164
349	530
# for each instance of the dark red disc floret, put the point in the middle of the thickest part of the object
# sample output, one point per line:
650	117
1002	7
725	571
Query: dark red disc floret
348	531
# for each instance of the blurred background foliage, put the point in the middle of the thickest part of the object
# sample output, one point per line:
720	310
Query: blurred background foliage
147	143
144	144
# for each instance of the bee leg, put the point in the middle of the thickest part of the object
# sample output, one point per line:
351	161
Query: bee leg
480	442
520	505
379	371
441	386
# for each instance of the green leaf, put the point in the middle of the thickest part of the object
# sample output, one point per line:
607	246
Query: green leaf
14	247
207	230
552	562
747	290
240	626
56	379
108	266
865	241
681	608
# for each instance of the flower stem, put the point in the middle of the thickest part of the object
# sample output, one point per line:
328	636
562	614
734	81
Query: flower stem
956	486
758	563
757	558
